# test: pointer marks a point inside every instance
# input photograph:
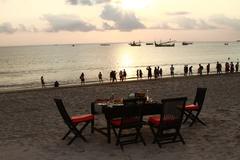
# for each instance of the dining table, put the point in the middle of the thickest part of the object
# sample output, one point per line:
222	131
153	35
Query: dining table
111	110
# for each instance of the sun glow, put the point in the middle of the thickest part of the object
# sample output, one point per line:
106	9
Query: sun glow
134	4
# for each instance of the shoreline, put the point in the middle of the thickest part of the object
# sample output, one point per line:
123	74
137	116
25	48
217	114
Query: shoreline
115	83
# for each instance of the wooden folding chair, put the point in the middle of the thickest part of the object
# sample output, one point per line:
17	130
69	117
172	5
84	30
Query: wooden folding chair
193	110
166	126
130	120
73	121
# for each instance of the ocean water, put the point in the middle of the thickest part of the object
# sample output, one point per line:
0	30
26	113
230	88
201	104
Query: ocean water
22	66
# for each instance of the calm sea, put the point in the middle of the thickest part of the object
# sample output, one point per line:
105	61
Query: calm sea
21	67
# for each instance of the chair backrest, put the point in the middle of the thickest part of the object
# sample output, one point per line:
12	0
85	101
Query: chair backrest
131	115
172	112
65	115
200	96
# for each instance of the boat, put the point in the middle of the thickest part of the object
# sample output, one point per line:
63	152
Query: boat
226	43
238	41
165	44
149	43
105	44
186	43
138	44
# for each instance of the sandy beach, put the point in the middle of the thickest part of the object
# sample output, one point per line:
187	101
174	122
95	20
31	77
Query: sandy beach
32	128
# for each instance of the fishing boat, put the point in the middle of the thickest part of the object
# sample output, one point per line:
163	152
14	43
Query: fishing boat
165	44
149	43
186	43
105	44
138	44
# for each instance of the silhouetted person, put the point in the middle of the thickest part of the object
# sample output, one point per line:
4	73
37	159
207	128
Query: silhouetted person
185	70
114	74
100	77
140	73
160	72
149	69
218	67
190	70
237	66
121	75
82	78
155	72
124	74
42	82
172	71
227	67
231	67
56	84
200	69
208	68
111	76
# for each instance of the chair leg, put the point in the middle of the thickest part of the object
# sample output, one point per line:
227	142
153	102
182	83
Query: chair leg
140	135
115	132
70	142
66	135
118	137
181	138
92	126
197	119
154	135
187	117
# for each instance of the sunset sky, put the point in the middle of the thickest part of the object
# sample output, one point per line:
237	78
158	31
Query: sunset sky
27	22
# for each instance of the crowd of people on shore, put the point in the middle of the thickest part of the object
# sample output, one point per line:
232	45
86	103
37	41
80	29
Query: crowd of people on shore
157	73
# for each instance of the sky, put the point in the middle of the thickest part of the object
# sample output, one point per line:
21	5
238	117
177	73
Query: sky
33	22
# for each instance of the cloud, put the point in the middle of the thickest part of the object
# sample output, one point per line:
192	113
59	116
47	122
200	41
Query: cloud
67	23
179	13
122	20
87	2
224	21
7	28
190	23
184	23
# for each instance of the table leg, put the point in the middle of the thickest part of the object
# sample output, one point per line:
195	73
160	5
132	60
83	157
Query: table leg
109	130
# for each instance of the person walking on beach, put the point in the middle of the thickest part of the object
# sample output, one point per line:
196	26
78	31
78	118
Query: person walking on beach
237	66
114	74
100	77
42	82
208	68
219	68
160	72
124	74
190	70
185	70
231	67
56	84
227	67
155	73
121	75
137	73
172	71
140	74
149	69
200	69
82	78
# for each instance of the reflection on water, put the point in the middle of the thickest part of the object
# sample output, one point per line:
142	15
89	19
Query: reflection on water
23	66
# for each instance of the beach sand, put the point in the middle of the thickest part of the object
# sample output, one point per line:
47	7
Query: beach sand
31	127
